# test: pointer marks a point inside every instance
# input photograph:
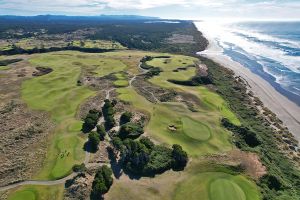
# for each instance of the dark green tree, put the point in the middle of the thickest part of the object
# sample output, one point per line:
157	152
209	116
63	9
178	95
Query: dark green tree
94	141
125	117
101	131
102	182
130	130
180	157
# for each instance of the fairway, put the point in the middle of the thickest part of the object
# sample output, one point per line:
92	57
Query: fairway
38	193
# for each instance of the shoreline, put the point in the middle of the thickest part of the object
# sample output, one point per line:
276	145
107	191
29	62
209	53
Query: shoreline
285	109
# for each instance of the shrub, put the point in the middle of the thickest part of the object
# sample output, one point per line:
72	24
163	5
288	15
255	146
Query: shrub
130	130
125	117
101	131
79	167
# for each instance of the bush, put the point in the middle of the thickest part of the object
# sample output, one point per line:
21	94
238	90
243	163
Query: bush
102	182
79	168
101	131
94	141
248	136
125	117
130	130
271	181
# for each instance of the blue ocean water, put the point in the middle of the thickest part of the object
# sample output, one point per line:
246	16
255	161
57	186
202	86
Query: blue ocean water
269	49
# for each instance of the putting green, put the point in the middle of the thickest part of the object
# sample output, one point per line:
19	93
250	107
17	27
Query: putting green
195	129
216	186
225	189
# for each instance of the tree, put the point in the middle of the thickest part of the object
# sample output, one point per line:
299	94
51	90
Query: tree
91	120
130	130
94	141
179	156
125	117
108	113
102	182
101	131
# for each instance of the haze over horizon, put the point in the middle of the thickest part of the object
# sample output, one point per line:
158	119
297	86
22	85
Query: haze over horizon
179	9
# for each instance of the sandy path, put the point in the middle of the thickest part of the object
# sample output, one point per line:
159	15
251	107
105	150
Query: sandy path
285	109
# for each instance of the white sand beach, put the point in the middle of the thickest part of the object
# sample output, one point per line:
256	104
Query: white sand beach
286	110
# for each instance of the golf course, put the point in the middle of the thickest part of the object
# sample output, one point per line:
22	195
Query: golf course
198	131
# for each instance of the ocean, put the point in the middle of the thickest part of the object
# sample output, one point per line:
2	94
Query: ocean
269	49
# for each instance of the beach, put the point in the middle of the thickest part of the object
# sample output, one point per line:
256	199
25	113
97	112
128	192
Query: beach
286	110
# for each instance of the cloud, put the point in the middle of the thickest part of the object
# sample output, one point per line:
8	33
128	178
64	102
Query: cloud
247	8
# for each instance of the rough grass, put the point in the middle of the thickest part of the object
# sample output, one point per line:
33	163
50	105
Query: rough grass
31	43
100	44
4	68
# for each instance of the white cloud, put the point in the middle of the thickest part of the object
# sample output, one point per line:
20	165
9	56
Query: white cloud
242	8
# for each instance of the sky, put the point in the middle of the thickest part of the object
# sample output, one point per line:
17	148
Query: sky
178	9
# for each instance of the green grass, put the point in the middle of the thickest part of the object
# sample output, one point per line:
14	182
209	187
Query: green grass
216	186
58	94
101	44
4	68
122	80
121	83
195	129
211	101
37	193
214	138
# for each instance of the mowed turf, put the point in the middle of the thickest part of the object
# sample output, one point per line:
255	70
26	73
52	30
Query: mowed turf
210	101
38	193
59	94
216	186
200	132
196	132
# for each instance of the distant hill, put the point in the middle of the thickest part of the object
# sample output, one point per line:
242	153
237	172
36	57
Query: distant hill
75	18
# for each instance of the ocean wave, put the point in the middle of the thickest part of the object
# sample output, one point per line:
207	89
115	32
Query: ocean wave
273	58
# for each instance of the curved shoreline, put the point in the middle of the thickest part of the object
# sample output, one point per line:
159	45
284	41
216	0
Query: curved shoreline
286	110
